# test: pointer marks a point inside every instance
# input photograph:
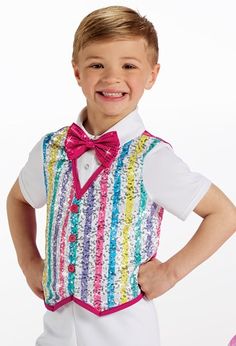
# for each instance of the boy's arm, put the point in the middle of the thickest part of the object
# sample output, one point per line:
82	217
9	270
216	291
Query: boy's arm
219	223
22	223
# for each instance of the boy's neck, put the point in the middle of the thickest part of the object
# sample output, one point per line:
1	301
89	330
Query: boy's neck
97	127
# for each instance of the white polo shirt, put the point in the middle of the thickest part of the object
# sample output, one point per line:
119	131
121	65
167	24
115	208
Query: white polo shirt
167	179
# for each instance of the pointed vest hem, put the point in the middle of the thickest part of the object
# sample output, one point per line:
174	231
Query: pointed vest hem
91	308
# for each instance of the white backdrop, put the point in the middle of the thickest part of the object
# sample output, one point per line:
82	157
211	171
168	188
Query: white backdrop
192	106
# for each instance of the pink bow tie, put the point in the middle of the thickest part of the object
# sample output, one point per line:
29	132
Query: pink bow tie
106	146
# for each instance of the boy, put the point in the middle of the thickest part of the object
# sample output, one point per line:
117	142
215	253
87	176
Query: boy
106	182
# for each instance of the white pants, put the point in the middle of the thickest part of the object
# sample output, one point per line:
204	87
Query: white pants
72	325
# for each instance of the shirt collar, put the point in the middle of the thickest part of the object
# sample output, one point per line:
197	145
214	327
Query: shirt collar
128	128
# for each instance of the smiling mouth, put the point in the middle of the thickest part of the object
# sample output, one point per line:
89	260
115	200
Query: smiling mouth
112	94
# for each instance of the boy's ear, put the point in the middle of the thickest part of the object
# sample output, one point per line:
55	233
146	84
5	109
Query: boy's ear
153	76
76	72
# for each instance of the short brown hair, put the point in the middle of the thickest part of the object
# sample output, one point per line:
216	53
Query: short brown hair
115	22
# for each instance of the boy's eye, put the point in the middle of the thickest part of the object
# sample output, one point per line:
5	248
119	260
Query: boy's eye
96	66
129	66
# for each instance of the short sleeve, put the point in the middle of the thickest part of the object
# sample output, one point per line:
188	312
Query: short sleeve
170	182
31	177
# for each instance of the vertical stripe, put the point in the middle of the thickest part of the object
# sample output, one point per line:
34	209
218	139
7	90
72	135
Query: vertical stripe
74	221
138	227
158	223
128	216
138	237
59	220
100	240
62	248
86	245
46	141
53	179
114	225
148	246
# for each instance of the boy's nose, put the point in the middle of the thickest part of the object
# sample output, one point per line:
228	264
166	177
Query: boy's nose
111	76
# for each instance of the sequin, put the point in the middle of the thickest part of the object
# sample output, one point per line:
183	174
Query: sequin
52	191
95	243
114	225
138	237
74	220
59	212
100	240
129	206
62	291
86	245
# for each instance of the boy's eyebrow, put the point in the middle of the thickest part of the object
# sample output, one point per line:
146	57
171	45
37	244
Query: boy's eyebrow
122	58
93	57
131	58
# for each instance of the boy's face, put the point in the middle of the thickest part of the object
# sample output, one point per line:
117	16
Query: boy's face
113	76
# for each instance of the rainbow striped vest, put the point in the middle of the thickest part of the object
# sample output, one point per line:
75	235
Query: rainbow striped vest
96	243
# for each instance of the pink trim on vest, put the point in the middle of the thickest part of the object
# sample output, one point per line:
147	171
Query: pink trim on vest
91	308
149	134
81	190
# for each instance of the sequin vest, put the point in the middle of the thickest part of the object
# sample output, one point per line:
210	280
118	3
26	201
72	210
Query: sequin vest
96	243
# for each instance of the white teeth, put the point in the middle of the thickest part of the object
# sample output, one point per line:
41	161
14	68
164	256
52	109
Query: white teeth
112	94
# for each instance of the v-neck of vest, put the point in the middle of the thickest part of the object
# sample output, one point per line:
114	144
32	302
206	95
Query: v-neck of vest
80	190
